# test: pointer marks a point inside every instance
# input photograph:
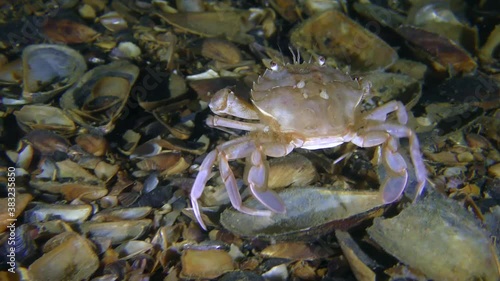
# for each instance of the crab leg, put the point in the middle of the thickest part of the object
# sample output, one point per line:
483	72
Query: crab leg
232	188
204	174
257	181
400	131
221	122
199	184
380	113
393	186
238	148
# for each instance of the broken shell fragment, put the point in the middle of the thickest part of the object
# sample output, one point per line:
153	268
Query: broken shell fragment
385	17
130	141
105	171
168	163
22	238
68	32
233	24
22	201
71	191
93	144
117	231
359	262
220	50
159	162
333	34
206	264
44	117
403	88
67	213
296	251
494	170
68	169
73	259
439	17
48	70
118	214
293	169
46	142
132	248
311	212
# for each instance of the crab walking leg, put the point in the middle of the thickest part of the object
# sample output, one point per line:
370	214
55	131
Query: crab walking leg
199	184
400	131
257	181
380	113
237	145
418	162
221	122
370	138
232	187
394	184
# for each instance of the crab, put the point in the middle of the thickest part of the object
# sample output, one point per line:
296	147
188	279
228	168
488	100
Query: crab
309	106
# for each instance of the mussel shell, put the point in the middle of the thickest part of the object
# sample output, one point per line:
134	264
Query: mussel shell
71	257
310	212
333	34
458	241
117	231
48	70
385	17
69	213
98	99
233	24
44	117
25	247
443	54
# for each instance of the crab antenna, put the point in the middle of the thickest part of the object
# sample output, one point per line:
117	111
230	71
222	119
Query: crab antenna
293	54
282	55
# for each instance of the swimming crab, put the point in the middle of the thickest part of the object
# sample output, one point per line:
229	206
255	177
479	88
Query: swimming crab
309	106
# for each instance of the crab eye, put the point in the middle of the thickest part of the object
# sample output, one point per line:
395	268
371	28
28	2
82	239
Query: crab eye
321	61
273	66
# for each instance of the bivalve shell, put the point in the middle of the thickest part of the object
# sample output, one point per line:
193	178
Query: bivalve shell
311	211
73	259
44	117
98	99
333	34
48	70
